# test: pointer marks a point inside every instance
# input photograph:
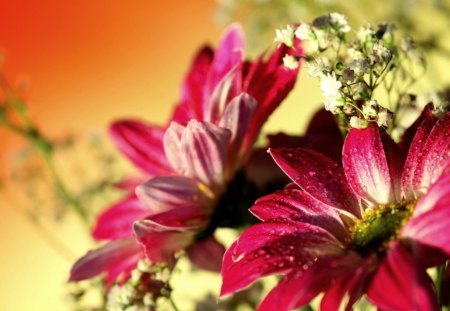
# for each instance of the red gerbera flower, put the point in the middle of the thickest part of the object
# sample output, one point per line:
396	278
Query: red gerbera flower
224	102
372	226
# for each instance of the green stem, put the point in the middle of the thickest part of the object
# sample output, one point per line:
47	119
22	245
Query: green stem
47	154
172	303
307	308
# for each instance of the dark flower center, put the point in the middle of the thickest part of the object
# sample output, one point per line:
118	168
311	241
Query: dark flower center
231	209
378	226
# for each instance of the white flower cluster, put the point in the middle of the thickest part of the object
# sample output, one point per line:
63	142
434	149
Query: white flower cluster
352	68
132	296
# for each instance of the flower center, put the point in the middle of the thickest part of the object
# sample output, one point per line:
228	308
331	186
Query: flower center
378	226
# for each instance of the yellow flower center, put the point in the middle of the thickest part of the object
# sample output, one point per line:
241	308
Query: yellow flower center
379	226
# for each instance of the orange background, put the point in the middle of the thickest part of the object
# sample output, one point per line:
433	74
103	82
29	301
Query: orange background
86	62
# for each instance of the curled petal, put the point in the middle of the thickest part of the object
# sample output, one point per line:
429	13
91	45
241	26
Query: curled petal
236	118
117	221
366	167
142	144
269	82
161	242
207	254
318	176
167	192
401	283
229	54
225	91
273	248
172	145
426	117
435	155
204	152
414	139
188	217
115	257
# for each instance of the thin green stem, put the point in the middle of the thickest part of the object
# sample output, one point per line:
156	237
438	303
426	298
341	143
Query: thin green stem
439	278
307	308
60	185
30	132
172	303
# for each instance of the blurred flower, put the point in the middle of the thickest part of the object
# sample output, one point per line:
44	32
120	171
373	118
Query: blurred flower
192	164
372	226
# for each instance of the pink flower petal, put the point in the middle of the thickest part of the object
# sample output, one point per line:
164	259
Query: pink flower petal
161	242
236	118
352	283
437	196
395	158
114	256
401	283
189	217
228	88
172	145
298	206
435	155
204	152
229	54
319	176
299	287
366	167
117	221
269	82
408	137
142	144
273	248
431	227
129	184
168	192
207	254
420	131
191	102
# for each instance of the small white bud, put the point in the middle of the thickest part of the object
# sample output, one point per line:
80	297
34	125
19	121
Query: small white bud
340	21
290	62
305	32
384	117
285	35
358	123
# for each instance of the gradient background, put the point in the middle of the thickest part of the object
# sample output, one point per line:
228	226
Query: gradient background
87	63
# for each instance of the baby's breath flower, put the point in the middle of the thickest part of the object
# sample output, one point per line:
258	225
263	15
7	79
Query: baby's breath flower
358	123
330	85
285	35
290	62
384	117
305	32
369	109
365	34
317	67
355	53
360	66
381	51
333	103
340	22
